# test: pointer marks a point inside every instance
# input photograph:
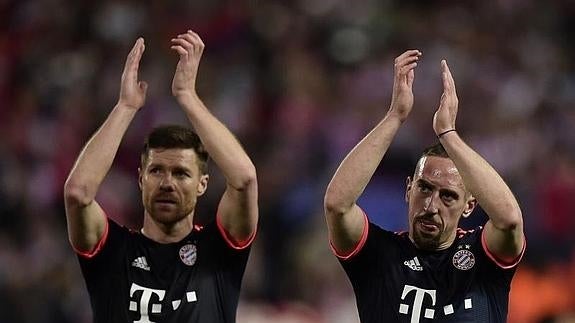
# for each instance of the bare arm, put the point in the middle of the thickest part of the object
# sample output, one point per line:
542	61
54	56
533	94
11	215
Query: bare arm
238	211
86	219
345	219
504	230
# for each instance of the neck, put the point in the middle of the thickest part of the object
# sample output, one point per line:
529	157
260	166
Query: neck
441	245
167	232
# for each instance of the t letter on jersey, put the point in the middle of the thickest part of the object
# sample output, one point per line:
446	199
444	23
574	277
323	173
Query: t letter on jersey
144	302
417	303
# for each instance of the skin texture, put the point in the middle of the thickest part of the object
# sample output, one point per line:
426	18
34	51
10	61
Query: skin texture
442	189
436	200
345	220
171	183
170	191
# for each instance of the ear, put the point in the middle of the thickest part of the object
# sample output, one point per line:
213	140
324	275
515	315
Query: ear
470	205
203	184
407	188
140	178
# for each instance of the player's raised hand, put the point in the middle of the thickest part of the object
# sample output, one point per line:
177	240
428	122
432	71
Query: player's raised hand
132	91
190	48
402	97
444	117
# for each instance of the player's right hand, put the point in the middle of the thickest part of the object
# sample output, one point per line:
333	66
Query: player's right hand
132	91
402	96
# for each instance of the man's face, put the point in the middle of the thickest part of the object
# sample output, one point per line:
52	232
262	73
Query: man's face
171	182
437	198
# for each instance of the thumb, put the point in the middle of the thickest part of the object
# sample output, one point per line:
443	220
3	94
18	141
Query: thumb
410	77
143	86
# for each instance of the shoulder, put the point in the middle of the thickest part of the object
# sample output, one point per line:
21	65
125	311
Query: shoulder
210	234
377	240
469	234
115	235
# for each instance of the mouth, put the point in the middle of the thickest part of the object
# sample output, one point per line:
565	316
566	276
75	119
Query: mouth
165	201
428	226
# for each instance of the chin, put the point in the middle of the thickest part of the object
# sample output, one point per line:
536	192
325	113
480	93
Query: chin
167	217
426	242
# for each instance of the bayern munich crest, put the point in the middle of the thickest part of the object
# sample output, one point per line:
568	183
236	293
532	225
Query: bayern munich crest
189	254
463	259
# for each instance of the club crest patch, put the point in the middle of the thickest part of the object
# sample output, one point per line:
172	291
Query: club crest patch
463	259
189	254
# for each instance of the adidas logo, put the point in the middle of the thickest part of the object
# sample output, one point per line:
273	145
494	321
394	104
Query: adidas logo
413	264
141	263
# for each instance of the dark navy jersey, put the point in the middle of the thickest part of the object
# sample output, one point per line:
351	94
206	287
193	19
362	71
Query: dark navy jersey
394	281
131	278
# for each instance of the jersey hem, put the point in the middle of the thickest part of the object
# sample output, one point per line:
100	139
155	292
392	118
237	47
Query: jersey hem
499	262
92	253
359	245
232	242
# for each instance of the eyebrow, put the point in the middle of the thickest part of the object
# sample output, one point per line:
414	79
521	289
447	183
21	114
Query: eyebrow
444	190
176	167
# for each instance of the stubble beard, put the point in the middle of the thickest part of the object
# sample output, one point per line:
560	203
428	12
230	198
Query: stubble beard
425	242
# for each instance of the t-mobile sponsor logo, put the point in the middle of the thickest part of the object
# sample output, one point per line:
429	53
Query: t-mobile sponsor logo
429	311
420	294
156	296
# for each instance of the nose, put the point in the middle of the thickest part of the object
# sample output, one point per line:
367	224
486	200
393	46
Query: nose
431	203
167	183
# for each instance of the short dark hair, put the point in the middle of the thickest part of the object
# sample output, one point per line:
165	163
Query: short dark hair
435	150
174	136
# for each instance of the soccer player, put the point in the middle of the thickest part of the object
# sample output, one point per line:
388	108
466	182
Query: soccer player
171	270
435	271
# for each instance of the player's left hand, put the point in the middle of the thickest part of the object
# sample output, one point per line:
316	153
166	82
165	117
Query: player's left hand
444	117
190	48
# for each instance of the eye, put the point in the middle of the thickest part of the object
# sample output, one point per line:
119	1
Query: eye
181	174
448	197
154	170
424	188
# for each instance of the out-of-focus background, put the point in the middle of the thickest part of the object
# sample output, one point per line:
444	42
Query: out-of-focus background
299	83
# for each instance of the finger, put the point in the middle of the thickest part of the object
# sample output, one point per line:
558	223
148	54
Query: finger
410	54
405	69
133	59
143	86
448	76
195	36
180	50
410	77
184	43
194	40
405	64
406	61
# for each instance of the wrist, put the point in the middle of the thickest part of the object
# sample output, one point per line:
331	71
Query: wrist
186	97
126	107
445	132
393	115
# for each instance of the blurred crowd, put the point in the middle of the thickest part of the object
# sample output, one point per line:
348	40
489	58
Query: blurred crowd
299	83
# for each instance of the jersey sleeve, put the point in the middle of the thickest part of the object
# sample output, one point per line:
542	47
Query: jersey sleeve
498	273
230	241
502	264
373	255
109	251
220	245
228	263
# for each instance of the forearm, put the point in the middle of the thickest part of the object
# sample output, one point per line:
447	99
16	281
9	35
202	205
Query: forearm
359	165
484	183
223	148
96	158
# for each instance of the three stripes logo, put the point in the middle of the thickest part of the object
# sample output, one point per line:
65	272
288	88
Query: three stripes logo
413	264
141	263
